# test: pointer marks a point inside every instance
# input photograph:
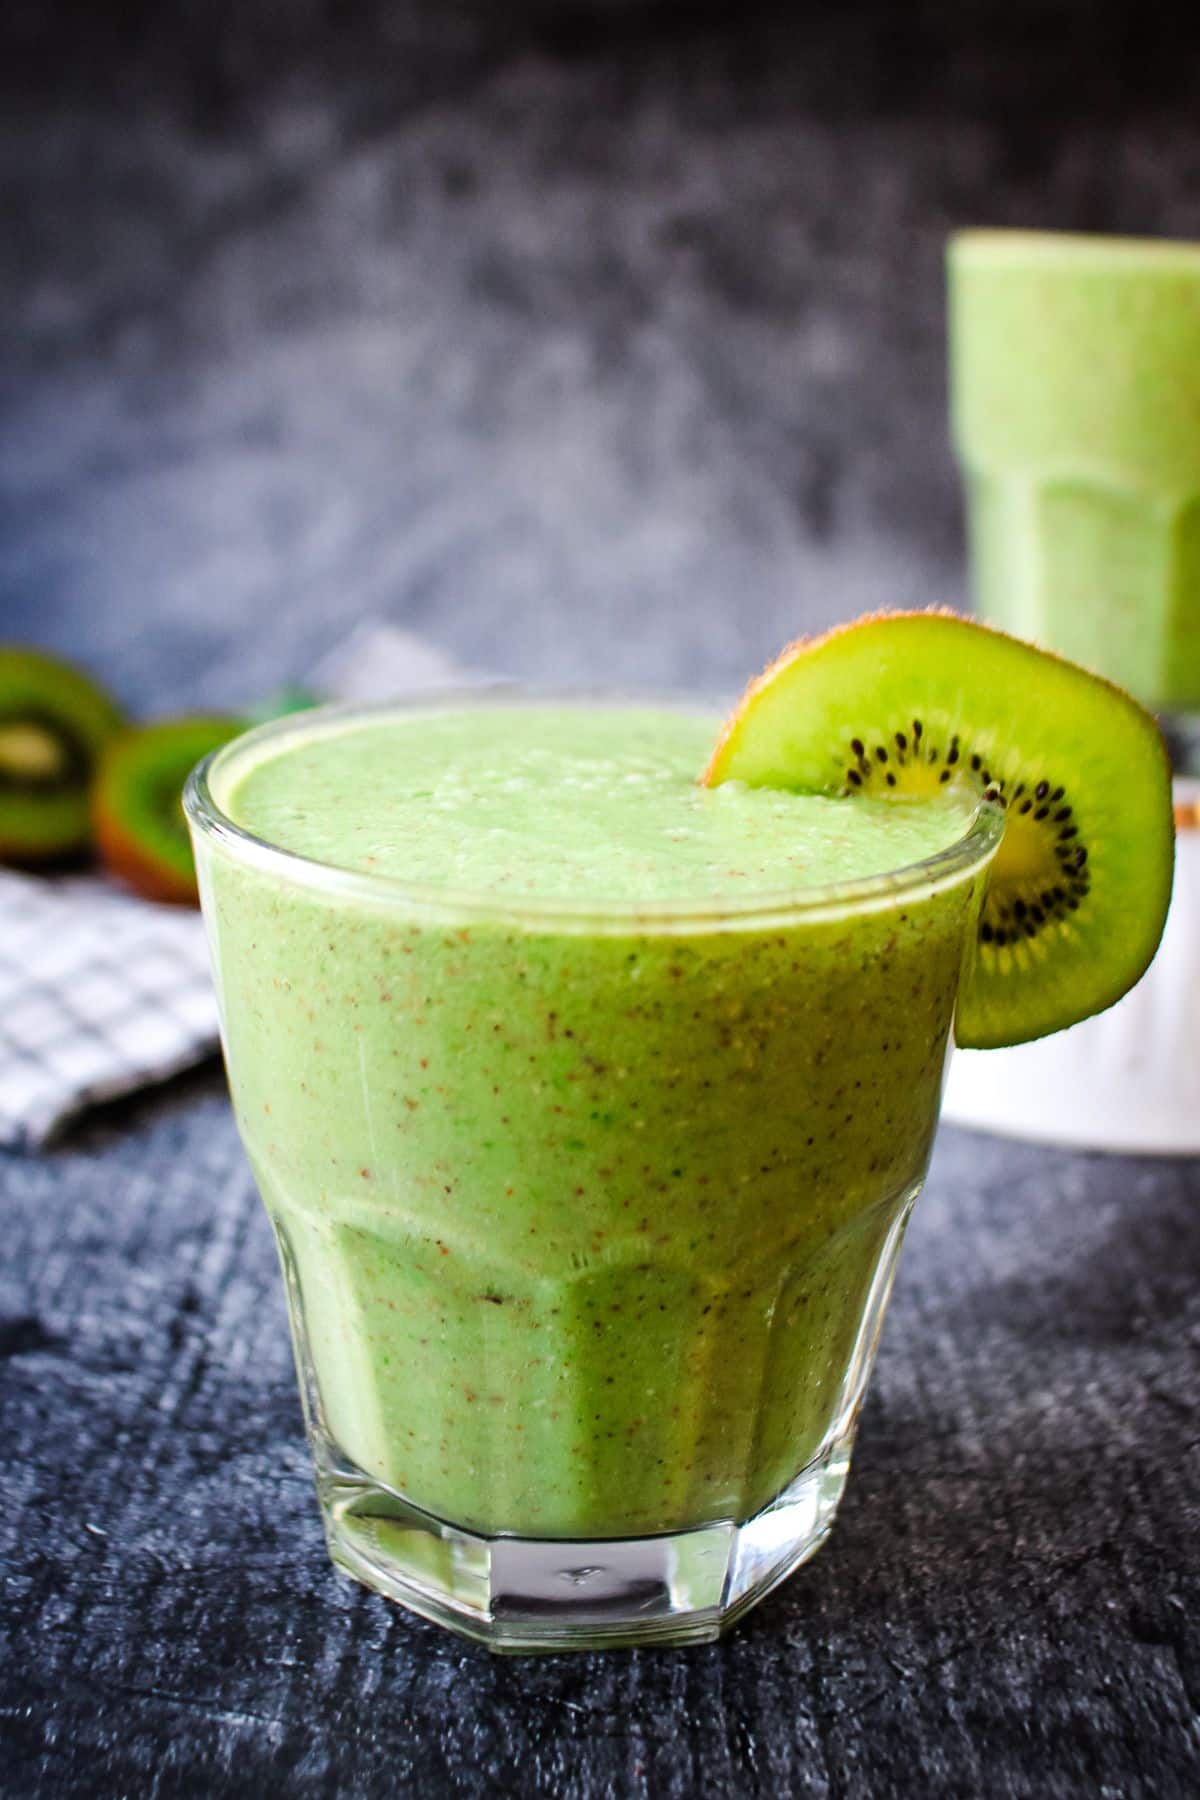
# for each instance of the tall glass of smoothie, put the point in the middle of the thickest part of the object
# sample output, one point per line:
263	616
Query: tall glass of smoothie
588	1105
1075	396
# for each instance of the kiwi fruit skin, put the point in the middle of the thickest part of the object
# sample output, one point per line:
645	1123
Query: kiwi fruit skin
897	703
58	720
137	803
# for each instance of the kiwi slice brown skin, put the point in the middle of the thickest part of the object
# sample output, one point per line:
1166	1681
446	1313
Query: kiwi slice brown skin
54	724
137	804
903	704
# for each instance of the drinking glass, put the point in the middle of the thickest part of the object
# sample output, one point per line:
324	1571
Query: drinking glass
1075	399
588	1213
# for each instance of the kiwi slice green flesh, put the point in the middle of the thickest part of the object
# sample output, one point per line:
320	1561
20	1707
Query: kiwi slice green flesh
54	722
901	704
138	803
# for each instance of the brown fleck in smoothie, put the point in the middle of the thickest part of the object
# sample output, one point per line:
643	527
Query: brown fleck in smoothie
587	1112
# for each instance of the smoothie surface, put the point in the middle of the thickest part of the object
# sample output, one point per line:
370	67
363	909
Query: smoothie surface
575	802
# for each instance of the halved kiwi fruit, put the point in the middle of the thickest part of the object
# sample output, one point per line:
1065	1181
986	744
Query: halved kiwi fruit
54	722
137	803
905	703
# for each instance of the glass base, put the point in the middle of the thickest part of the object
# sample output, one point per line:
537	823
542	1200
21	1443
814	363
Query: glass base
541	1594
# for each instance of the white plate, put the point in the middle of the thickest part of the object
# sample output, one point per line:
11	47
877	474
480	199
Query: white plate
1127	1080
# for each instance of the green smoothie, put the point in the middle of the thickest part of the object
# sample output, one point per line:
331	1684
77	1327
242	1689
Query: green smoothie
587	1115
1075	378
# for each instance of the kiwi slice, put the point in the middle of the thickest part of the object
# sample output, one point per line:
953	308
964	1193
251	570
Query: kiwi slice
902	704
54	722
137	804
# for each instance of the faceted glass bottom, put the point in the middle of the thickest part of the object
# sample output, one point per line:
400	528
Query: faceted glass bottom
524	1593
531	1594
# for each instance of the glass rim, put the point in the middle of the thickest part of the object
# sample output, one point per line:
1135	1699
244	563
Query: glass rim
1045	249
209	819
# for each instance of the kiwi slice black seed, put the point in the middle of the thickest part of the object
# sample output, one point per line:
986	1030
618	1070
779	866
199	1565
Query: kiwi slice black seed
137	804
54	722
907	704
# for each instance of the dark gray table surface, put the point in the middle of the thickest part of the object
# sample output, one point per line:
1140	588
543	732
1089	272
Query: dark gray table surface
612	351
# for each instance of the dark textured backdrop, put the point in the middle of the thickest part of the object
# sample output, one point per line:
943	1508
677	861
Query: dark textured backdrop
585	339
590	340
